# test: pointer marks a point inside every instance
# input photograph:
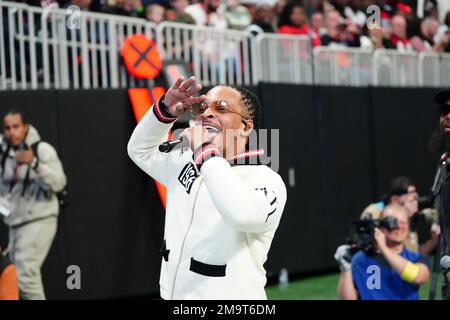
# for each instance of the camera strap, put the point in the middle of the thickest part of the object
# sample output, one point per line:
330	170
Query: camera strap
4	156
441	174
26	181
382	262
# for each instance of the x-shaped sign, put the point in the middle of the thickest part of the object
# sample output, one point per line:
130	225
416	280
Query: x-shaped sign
142	55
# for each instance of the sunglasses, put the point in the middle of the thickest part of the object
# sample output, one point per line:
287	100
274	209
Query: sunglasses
218	107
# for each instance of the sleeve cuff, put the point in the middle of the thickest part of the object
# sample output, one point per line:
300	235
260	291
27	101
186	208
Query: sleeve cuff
161	112
203	153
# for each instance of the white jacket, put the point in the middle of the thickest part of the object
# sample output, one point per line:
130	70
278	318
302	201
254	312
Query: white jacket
36	199
220	220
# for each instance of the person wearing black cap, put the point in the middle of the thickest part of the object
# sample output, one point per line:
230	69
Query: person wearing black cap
440	142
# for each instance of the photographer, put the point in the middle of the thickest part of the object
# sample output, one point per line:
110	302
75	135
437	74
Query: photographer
424	231
30	176
392	272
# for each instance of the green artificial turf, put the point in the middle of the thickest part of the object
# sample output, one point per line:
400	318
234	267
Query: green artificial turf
324	288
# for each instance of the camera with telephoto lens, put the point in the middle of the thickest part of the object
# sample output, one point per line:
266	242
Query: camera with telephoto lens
363	233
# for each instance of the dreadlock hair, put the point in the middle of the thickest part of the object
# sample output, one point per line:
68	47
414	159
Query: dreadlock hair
252	103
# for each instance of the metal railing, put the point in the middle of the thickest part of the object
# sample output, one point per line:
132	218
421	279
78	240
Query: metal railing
215	56
343	66
393	68
434	69
283	58
46	52
61	49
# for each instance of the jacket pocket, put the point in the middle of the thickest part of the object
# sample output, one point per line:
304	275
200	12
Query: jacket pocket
164	252
209	270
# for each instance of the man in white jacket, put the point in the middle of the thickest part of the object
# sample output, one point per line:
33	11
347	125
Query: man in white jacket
222	212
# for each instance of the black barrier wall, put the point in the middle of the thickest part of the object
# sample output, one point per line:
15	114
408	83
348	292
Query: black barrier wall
113	226
338	149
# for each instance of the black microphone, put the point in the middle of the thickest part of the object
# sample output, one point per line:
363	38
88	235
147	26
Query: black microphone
169	145
445	263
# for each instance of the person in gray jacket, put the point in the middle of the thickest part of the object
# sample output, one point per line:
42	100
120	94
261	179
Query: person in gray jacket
28	201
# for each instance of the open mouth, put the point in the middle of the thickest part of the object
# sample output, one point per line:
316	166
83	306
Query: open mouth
213	129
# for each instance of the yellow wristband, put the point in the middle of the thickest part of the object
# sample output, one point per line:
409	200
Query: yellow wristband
410	273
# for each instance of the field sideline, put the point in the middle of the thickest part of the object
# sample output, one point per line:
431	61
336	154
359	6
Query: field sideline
324	288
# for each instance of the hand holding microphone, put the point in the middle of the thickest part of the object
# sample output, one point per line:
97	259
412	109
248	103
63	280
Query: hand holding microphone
169	145
191	137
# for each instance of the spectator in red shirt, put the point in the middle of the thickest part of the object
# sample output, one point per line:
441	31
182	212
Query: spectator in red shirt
398	37
293	20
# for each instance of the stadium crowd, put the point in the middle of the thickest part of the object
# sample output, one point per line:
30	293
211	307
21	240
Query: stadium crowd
406	25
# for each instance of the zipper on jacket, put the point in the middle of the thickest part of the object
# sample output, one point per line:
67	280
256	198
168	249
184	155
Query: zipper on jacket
184	240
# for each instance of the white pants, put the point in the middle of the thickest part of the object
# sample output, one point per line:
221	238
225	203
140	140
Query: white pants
29	245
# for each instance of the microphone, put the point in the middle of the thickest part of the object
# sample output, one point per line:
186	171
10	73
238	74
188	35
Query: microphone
169	145
444	157
445	262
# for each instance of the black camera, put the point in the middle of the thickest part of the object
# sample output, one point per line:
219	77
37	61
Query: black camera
21	147
362	236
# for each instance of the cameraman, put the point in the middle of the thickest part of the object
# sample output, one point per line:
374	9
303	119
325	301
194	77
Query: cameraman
424	234
30	176
392	273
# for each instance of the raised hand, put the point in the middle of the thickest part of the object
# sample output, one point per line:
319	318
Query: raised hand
180	96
